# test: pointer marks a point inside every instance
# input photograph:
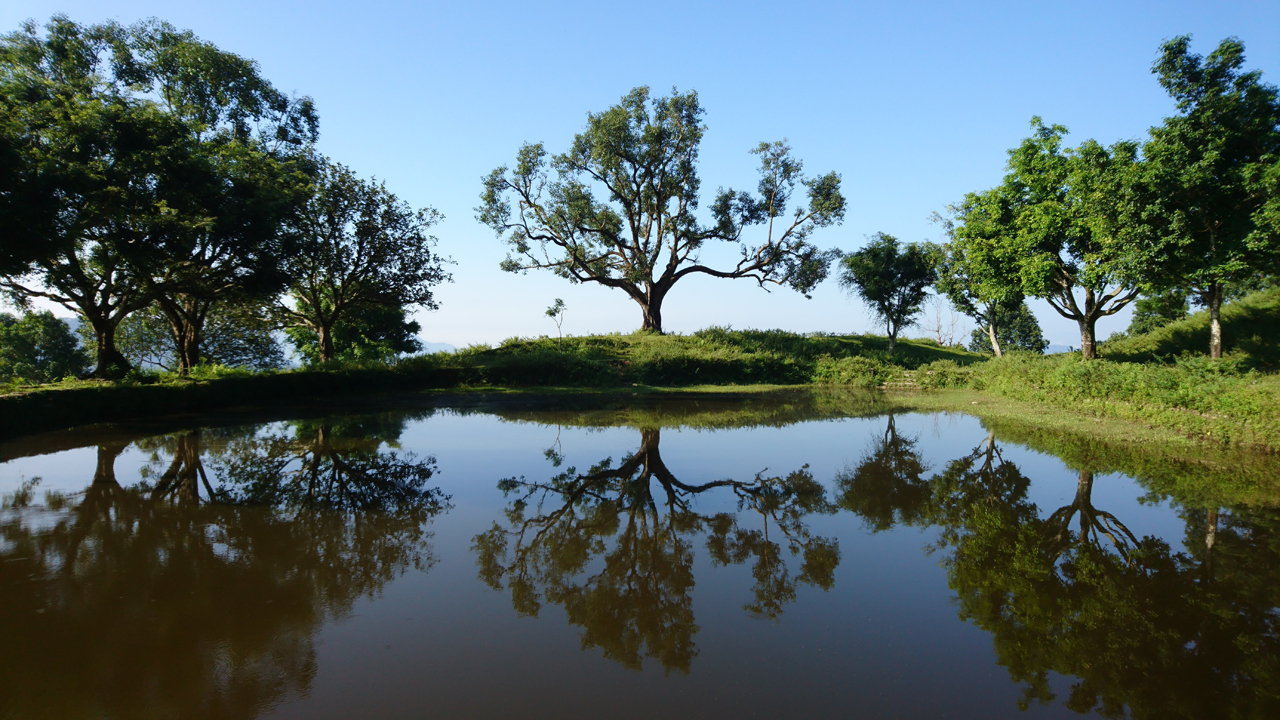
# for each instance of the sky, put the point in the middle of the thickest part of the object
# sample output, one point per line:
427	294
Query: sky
913	104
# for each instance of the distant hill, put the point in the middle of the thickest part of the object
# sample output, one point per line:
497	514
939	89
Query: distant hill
1250	325
429	348
1055	349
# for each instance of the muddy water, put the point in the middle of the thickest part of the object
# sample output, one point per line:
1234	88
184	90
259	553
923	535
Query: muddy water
673	559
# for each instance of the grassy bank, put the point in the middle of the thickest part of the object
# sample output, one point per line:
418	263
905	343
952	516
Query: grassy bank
1229	403
1219	403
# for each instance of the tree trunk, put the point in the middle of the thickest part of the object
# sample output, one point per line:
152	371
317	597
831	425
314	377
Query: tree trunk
1088	336
111	362
1210	539
995	344
1215	321
652	309
325	335
893	337
186	321
190	356
105	474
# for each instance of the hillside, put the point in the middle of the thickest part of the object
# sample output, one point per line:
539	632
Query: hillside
1250	333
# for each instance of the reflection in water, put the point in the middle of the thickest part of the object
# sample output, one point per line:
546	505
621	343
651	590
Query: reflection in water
1142	630
201	590
614	547
176	597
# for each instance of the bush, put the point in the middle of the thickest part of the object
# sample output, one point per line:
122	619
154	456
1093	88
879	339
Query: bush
942	374
858	371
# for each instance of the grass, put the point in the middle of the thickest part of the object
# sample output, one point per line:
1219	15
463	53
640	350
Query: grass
1160	380
1222	403
715	356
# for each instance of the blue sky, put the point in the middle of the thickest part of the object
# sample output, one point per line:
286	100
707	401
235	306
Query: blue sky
914	104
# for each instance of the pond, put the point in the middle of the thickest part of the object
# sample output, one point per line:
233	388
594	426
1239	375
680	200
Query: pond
763	556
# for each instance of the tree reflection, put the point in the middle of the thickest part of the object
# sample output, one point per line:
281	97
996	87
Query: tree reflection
185	597
1141	629
614	547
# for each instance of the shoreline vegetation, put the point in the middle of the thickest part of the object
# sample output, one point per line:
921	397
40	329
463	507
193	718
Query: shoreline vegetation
1143	389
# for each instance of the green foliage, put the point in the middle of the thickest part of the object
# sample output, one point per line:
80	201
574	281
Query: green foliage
715	356
1016	329
858	371
1199	216
1220	402
941	375
890	279
368	254
1152	312
166	172
976	268
365	334
1045	232
619	207
38	348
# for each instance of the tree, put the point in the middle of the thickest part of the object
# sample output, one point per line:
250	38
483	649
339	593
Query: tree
556	313
246	178
1202	216
976	270
618	208
163	172
1066	215
368	251
94	164
891	279
366	334
613	546
38	348
1152	312
1017	327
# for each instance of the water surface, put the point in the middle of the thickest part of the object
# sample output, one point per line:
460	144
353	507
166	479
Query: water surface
768	557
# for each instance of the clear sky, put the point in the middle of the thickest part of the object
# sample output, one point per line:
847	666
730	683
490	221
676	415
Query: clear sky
914	104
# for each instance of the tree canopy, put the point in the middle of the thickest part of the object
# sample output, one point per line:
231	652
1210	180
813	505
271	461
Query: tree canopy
891	279
1204	209
368	253
619	207
165	173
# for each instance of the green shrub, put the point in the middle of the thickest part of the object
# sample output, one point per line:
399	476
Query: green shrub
857	371
942	374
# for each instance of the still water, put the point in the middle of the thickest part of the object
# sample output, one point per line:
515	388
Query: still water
774	556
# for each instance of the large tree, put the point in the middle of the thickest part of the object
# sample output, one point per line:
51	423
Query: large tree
1066	205
619	207
95	176
891	279
246	178
164	173
369	253
1205	213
